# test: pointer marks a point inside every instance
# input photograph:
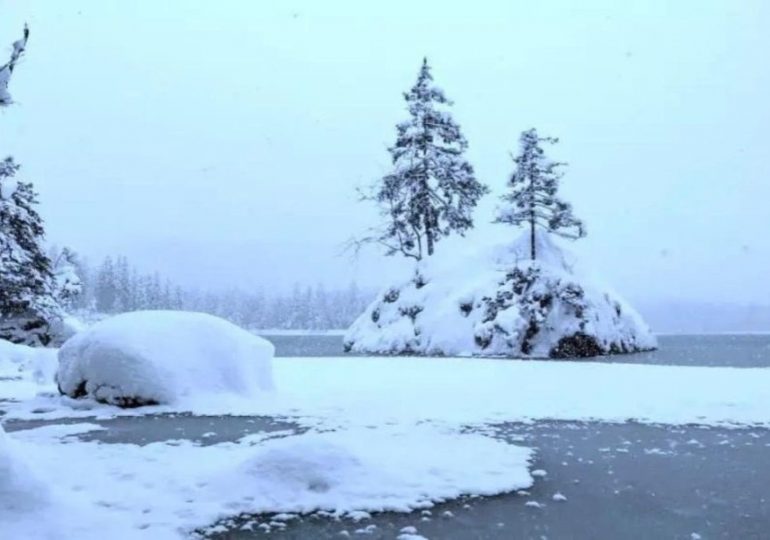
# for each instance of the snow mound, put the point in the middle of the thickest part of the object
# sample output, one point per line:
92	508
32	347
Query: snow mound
373	470
21	492
495	301
161	357
27	363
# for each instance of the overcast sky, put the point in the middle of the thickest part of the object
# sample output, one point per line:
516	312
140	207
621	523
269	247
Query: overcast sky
221	142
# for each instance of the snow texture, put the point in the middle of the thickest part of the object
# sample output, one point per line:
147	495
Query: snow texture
374	470
495	301
165	490
28	364
160	357
21	491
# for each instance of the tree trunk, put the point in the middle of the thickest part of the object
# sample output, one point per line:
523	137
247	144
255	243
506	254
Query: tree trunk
429	234
532	238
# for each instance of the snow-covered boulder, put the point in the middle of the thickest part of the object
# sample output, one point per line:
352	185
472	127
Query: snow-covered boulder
496	301
160	357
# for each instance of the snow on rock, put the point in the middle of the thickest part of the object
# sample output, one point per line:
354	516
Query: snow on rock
495	301
373	470
160	357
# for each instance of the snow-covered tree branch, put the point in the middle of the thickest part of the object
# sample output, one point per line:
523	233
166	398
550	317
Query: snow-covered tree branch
18	48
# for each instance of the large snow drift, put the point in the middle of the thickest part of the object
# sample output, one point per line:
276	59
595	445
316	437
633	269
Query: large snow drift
496	301
159	357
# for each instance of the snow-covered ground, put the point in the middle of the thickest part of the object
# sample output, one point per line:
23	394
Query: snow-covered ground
166	490
361	391
374	427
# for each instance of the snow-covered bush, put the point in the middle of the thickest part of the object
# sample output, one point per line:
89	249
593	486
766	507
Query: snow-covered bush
152	357
497	301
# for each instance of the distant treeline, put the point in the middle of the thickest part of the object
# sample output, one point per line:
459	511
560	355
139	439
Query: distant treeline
117	286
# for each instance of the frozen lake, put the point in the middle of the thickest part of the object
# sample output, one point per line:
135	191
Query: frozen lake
618	480
739	350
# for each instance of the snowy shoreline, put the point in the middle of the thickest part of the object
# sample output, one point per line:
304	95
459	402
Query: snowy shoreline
415	389
369	445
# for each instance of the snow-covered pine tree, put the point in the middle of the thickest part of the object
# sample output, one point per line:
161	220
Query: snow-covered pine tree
533	199
68	285
432	189
27	304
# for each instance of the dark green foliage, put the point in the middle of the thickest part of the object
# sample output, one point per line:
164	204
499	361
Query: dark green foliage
432	190
533	198
578	345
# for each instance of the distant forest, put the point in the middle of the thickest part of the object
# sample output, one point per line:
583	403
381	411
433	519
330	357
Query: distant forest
117	286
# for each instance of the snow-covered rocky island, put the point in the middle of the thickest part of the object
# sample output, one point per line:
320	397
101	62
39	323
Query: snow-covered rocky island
497	302
519	299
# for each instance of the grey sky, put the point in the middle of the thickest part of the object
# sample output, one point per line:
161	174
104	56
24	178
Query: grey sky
221	142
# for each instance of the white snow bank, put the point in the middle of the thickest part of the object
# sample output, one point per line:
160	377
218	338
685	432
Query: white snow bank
21	492
149	357
35	364
493	300
373	470
34	506
348	391
167	490
472	391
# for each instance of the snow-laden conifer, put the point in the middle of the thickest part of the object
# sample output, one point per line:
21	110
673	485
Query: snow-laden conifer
432	190
533	197
27	303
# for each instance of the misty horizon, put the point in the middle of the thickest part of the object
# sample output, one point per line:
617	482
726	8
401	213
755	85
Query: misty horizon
223	148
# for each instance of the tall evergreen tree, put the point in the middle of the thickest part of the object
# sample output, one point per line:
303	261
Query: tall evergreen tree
27	304
533	199
432	189
26	279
